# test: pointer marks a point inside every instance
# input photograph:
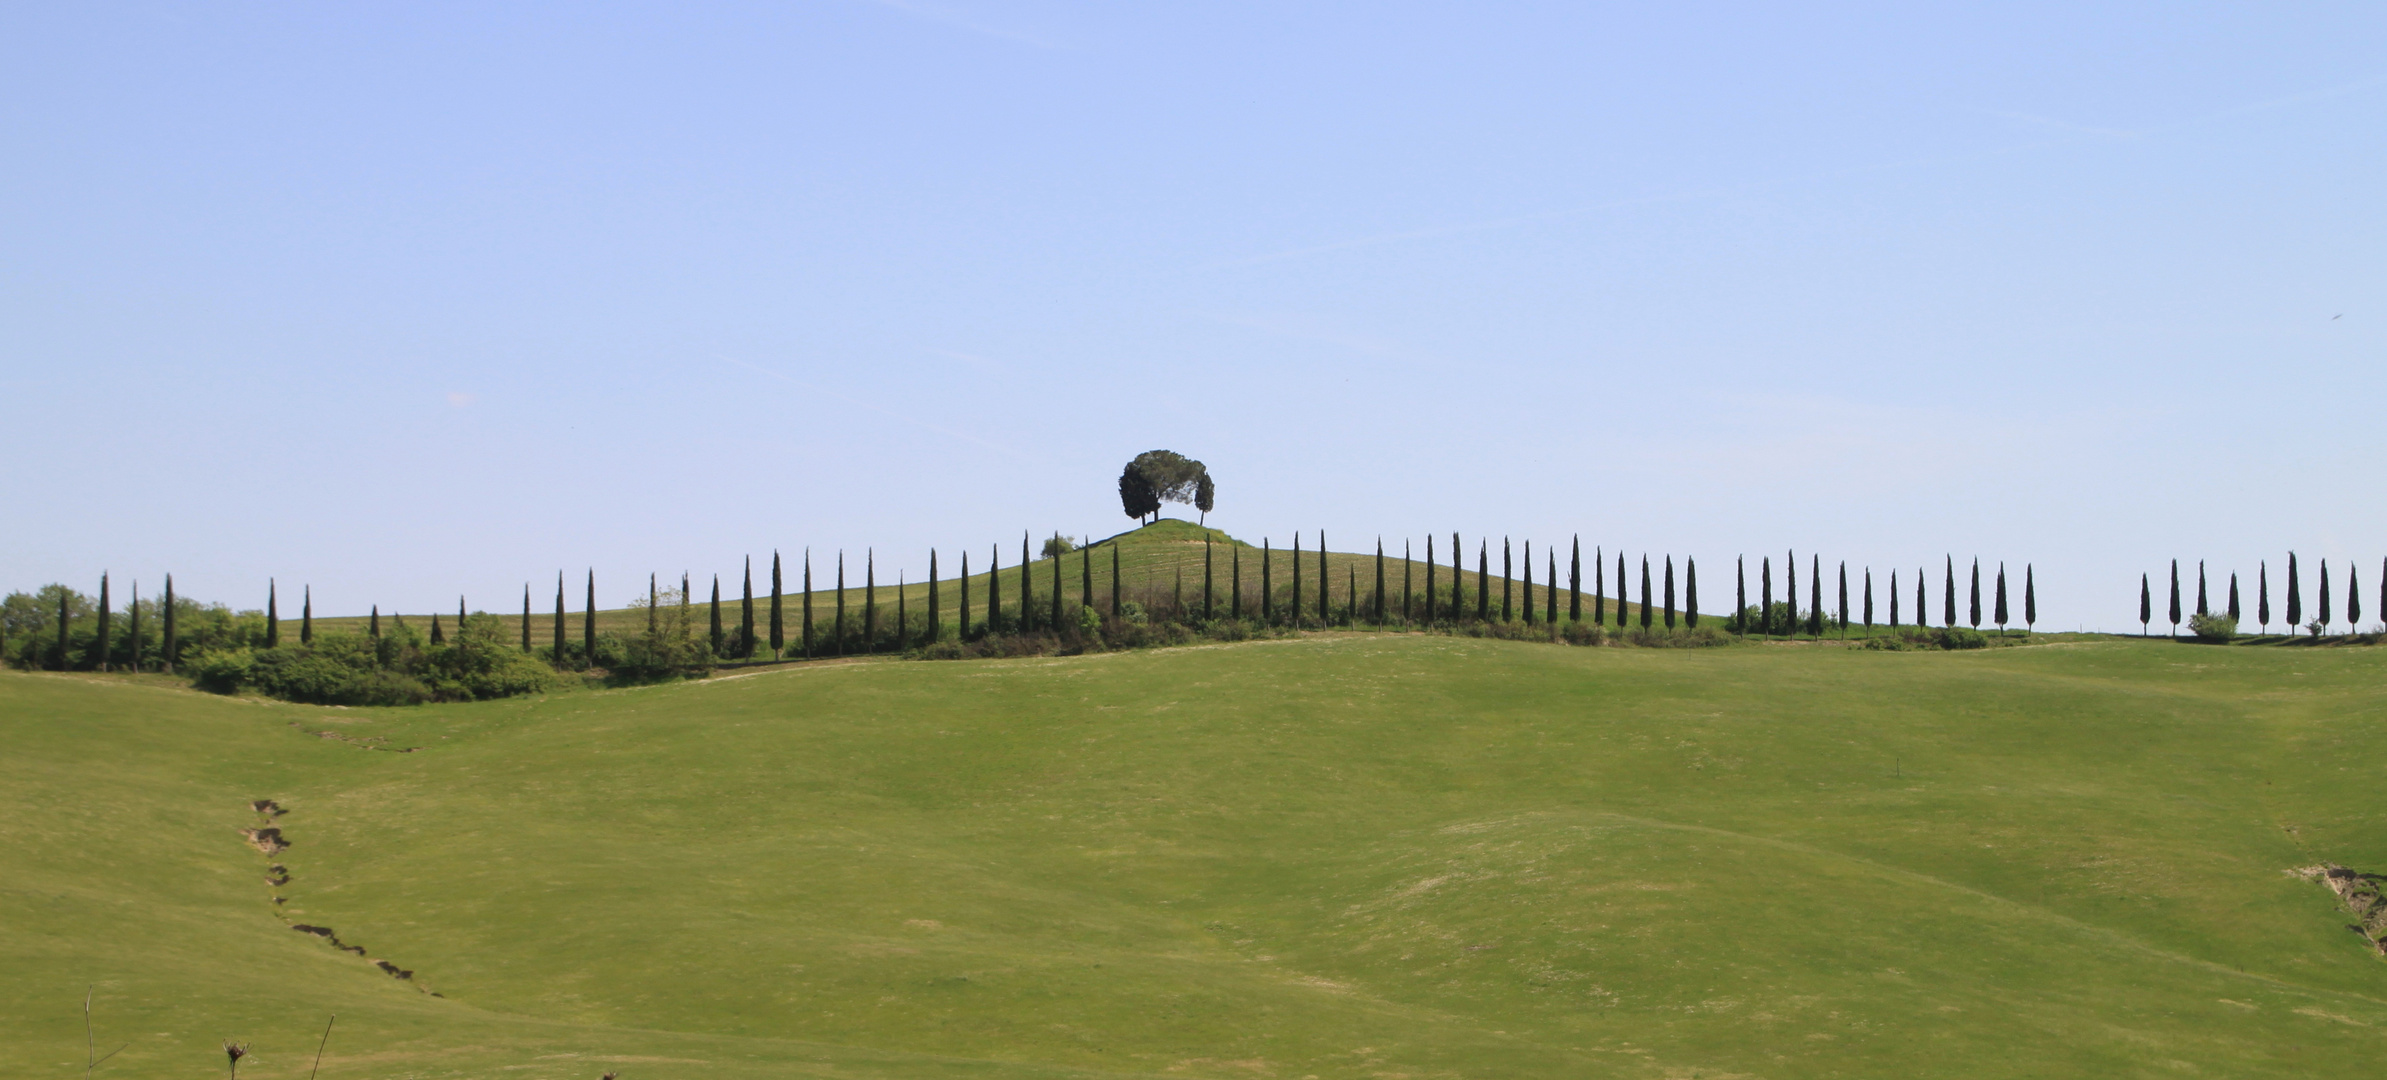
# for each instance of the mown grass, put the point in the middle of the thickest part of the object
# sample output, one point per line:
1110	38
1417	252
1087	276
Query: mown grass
1337	856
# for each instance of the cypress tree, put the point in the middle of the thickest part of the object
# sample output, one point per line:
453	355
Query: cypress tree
1669	592
2353	604
1208	612
1550	598
273	619
1922	609
1322	577
1893	598
1765	596
1267	598
1843	598
1740	594
1528	594
836	631
97	655
1027	586
1116	612
1505	574
2030	599
964	581
779	619
807	619
2324	596
65	620
718	638
654	604
1430	582
994	590
1085	573
167	646
2175	602
1814	595
1406	593
746	615
588	620
306	613
1350	595
1483	580
1975	609
1599	587
2001	599
1055	567
870	601
2262	595
459	614
437	638
2235	612
1235	582
1645	600
936	622
1790	593
903	625
2201	609
1947	608
684	598
1868	601
1458	579
1379	581
132	621
558	657
2146	605
1296	577
526	617
1574	581
1691	592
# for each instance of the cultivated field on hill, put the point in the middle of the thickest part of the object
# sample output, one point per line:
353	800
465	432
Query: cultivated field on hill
1353	855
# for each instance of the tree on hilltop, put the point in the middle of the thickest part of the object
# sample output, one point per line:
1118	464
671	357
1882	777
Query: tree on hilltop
1158	476
2175	601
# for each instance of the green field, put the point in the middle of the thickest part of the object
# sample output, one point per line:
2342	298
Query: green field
1352	855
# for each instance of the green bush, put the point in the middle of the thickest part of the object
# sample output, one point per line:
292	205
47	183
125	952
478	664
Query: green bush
1957	637
2217	627
398	668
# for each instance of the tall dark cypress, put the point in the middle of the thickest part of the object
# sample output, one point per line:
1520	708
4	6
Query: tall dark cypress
1893	598
437	638
1483	580
1574	581
1691	592
65	619
1948	605
2262	595
1599	587
1055	567
1669	592
2201	609
746	614
2235	611
1322	578
459	615
1922	606
1550	595
2030	598
1208	612
169	648
1645	597
903	625
1790	593
1975	609
2175	603
2324	620
1740	593
1267	598
1505	574
1765	595
994	590
2353	606
1527	596
2146	605
1868	601
1430	582
558	656
132	624
1843	598
718	638
964	610
1235	582
1085	575
588	620
1350	595
99	644
1296	577
2001	599
1407	567
1379	581
779	619
870	600
273	620
1115	577
526	617
1027	586
1814	595
306	613
807	617
654	605
837	631
1458	579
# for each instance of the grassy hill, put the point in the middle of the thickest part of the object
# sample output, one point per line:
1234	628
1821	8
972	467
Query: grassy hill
1150	560
1336	856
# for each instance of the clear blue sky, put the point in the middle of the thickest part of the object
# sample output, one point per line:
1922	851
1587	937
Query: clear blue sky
412	300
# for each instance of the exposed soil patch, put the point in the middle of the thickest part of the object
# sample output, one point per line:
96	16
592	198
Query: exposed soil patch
269	839
2360	893
374	742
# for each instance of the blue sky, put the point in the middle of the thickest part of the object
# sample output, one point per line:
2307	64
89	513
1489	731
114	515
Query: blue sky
407	301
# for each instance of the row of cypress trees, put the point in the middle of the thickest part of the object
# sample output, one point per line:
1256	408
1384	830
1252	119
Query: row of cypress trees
1769	619
2324	615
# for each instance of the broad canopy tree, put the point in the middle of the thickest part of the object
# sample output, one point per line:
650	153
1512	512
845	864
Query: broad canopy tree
1158	476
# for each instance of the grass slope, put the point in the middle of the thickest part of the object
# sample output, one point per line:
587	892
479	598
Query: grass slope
1340	856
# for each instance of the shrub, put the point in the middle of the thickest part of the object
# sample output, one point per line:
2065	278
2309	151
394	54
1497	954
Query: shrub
1958	637
1584	633
2217	627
